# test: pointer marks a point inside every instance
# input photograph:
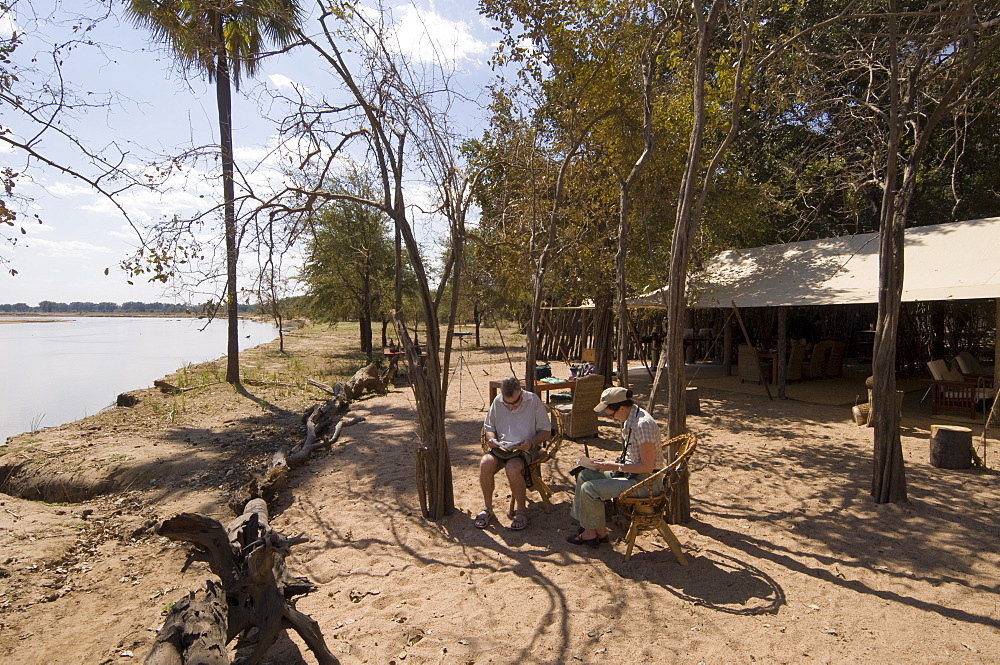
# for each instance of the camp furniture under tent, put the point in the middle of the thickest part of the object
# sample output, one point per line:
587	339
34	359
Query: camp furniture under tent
954	261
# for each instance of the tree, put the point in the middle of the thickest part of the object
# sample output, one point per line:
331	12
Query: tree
391	125
224	39
349	262
910	70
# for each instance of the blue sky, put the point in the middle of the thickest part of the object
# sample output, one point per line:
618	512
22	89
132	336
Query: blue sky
155	110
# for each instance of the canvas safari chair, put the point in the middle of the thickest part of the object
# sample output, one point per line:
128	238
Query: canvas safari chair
973	370
533	471
950	391
579	418
644	505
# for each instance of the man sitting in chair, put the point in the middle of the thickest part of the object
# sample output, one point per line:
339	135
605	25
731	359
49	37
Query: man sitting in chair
515	424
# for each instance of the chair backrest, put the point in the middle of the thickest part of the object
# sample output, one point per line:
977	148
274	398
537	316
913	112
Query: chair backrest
820	358
795	360
749	363
941	372
587	393
937	368
670	474
580	418
835	365
969	364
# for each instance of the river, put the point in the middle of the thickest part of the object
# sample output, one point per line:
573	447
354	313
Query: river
65	369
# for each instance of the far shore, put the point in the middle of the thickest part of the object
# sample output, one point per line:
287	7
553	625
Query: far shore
48	317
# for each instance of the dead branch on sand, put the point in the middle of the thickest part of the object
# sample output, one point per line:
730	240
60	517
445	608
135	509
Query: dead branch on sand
255	591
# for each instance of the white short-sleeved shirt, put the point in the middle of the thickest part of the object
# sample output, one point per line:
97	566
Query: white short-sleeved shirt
520	424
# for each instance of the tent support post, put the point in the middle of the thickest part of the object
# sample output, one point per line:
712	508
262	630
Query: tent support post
782	355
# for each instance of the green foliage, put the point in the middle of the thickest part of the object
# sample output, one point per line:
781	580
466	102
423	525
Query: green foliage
350	257
191	29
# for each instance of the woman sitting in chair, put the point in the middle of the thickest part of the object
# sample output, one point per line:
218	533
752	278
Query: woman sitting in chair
641	455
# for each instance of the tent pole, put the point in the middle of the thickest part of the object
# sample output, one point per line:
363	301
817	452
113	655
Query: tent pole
782	355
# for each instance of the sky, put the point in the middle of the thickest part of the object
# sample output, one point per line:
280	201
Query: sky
153	109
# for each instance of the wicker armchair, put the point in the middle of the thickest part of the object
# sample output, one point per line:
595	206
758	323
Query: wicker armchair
533	471
835	363
750	367
818	361
645	513
795	356
579	418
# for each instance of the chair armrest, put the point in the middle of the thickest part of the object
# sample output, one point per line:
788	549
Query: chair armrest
688	443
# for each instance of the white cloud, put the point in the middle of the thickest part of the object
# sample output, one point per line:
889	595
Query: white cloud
426	36
65	249
280	81
7	25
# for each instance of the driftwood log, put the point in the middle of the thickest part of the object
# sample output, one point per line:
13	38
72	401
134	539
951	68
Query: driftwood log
254	590
323	423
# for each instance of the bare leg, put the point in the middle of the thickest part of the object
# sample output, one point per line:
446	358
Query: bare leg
518	487
487	467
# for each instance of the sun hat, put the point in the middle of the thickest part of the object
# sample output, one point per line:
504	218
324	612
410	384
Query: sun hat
612	395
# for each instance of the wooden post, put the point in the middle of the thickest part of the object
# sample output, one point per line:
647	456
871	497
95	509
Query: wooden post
691	403
782	354
996	344
727	347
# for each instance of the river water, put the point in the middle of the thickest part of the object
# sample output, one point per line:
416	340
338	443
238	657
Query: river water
62	370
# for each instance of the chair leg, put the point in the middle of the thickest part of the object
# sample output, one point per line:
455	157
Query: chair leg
510	508
675	545
545	493
633	531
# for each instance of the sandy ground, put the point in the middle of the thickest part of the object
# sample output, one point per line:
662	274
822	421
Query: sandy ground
790	560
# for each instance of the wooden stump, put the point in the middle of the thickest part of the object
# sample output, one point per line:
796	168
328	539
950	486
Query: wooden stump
951	447
691	404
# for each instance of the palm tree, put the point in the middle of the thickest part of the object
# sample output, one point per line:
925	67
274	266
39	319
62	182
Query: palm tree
224	39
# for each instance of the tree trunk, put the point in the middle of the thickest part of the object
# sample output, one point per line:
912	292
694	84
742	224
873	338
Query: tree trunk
888	478
603	335
224	101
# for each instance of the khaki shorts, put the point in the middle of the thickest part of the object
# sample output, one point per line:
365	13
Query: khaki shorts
526	456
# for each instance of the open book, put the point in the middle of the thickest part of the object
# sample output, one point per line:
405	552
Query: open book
588	463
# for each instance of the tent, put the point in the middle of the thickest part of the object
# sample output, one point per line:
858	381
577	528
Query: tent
955	261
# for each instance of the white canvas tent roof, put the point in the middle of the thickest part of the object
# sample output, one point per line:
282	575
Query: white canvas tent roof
955	261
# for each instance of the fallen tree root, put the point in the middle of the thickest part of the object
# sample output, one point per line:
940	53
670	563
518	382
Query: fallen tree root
255	591
324	423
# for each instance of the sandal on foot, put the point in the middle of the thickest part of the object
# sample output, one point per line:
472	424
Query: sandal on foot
482	520
520	520
589	542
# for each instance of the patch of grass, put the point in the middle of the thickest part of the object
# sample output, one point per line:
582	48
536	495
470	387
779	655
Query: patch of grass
36	422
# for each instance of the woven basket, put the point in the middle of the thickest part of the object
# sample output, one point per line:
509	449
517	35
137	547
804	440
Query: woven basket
861	413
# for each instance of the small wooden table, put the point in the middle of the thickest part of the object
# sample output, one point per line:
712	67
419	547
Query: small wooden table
540	387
